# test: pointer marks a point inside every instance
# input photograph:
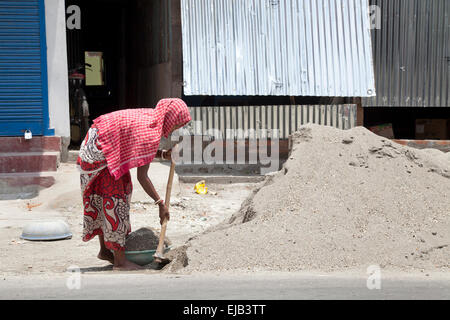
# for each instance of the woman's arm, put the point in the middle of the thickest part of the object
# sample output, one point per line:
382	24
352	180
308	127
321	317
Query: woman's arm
147	185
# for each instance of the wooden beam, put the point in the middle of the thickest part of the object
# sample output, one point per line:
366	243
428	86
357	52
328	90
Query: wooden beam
359	112
176	53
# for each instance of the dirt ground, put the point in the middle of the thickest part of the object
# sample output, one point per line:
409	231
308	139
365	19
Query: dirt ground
306	217
191	214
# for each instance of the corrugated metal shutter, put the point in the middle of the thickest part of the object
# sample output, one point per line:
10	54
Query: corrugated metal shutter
285	118
277	47
23	68
412	54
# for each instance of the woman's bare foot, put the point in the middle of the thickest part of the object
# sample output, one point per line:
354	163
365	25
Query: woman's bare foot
127	266
122	264
106	255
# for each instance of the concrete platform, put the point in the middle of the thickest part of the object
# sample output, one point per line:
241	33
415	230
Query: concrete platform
220	179
72	156
442	145
24	185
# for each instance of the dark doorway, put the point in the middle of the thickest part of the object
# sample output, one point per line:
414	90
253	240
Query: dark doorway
128	42
403	119
103	31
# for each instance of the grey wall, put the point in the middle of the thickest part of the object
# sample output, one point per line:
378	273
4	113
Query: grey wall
58	91
412	54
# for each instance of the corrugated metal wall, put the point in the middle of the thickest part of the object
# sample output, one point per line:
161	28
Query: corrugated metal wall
412	54
23	68
277	47
285	118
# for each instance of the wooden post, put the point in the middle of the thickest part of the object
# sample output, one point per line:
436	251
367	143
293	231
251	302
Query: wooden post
292	100
176	52
359	112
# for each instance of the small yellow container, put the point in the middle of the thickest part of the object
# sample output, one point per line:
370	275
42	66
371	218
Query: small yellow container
200	187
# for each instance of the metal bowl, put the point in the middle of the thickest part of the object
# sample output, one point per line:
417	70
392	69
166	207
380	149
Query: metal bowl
143	257
46	231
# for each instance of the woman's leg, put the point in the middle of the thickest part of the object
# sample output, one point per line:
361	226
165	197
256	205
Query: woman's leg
105	253
115	207
121	262
117	259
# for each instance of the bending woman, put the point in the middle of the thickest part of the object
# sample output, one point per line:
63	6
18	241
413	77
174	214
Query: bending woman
116	143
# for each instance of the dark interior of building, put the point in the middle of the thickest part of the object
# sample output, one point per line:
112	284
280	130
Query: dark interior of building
132	37
403	119
129	43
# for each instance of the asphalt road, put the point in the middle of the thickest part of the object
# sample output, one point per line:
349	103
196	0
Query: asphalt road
211	287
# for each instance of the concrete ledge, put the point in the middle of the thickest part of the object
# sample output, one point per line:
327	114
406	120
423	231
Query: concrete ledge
24	185
443	145
221	179
72	156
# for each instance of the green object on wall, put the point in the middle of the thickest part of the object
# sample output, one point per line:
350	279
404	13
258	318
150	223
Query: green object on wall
94	72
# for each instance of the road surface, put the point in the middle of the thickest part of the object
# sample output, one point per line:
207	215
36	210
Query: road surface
256	286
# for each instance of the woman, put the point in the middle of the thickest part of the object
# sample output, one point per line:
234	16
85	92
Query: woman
116	143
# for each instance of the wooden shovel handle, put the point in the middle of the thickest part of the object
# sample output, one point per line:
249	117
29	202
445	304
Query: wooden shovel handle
169	184
160	248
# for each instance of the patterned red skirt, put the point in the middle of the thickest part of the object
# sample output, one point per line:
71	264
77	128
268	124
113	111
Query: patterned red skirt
106	201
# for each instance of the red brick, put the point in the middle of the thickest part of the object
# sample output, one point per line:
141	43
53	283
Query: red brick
36	144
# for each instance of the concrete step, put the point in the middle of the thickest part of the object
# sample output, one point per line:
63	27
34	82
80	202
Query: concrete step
20	162
24	185
220	169
220	179
72	156
36	144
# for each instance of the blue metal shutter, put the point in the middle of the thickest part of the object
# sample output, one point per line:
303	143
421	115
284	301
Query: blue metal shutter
23	68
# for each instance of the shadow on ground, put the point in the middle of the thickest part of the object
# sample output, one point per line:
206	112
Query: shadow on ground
152	266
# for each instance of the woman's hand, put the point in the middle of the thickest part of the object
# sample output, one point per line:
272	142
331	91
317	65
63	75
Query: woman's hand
163	213
167	154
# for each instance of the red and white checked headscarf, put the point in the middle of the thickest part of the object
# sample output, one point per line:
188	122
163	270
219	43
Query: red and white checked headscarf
130	138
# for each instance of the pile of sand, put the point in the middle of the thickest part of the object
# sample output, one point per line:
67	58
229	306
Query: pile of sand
344	200
143	239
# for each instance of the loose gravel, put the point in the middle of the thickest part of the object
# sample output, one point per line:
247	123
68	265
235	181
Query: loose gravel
343	200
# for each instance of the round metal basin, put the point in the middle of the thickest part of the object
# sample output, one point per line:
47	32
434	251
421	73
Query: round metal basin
46	231
143	257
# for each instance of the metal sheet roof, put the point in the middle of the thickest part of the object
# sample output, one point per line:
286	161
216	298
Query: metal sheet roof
277	47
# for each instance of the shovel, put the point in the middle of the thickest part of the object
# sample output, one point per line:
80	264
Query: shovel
159	254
